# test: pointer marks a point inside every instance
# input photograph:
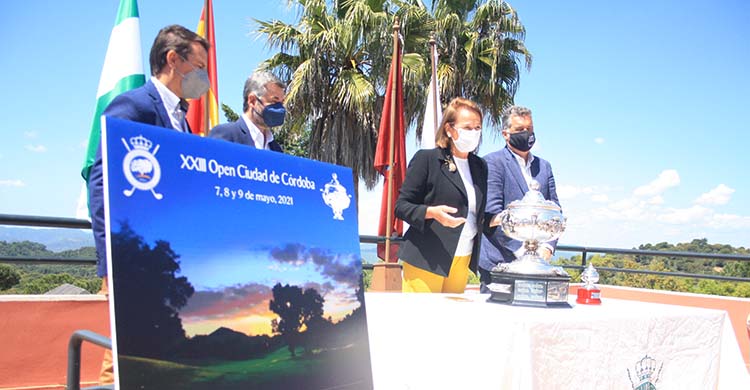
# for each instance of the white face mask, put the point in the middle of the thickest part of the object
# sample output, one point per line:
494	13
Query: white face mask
468	140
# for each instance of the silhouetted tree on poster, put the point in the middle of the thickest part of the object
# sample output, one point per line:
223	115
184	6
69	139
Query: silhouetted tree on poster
295	309
148	295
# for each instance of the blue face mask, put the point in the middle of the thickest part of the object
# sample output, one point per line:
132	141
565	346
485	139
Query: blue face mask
273	114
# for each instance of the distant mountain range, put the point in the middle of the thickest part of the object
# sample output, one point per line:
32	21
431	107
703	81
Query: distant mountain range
54	239
58	240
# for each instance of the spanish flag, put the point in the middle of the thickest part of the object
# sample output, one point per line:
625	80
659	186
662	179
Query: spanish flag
203	113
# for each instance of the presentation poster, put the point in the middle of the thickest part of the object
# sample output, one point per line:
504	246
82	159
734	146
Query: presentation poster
230	267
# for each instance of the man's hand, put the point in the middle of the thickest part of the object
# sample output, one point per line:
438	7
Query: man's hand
442	214
496	220
545	253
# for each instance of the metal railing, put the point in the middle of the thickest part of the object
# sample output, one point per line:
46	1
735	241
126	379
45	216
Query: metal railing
74	357
651	253
36	221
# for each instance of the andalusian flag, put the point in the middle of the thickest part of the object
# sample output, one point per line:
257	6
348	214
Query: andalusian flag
203	117
122	71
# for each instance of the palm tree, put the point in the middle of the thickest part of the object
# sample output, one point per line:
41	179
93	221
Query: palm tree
336	59
332	93
481	44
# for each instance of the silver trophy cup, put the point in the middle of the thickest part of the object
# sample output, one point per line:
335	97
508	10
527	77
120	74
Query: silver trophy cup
530	280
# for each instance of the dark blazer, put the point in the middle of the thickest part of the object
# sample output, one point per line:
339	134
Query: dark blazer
505	184
143	105
238	133
429	182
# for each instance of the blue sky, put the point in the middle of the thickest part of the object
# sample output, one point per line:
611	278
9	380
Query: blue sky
638	106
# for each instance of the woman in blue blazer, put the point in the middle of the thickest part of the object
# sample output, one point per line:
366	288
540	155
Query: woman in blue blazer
442	199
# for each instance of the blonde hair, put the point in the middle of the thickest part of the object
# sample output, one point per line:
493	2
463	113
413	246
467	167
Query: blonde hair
449	117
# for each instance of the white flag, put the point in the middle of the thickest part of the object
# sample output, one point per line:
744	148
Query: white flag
433	112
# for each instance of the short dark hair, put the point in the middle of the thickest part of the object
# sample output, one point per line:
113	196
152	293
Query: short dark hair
174	37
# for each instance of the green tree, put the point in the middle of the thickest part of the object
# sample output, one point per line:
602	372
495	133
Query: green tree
673	264
9	277
296	309
336	60
150	294
481	47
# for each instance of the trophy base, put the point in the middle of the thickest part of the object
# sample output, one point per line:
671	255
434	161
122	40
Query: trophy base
529	290
589	297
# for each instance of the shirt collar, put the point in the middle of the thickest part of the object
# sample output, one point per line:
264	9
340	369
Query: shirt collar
257	134
521	161
170	100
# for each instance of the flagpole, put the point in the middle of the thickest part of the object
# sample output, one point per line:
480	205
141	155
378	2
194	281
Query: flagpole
391	147
433	61
207	95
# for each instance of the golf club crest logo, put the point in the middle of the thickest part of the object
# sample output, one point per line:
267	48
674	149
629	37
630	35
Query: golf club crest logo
140	166
335	197
647	372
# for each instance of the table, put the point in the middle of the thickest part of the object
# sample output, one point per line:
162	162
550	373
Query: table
459	341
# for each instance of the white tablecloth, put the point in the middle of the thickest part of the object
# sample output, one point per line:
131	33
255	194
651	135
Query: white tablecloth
446	341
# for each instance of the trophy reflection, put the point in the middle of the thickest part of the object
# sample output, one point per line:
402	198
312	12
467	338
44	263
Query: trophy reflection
530	280
589	293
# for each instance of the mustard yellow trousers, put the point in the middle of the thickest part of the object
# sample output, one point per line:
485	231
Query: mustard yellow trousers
418	280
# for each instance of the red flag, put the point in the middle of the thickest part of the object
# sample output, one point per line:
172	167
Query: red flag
398	165
203	117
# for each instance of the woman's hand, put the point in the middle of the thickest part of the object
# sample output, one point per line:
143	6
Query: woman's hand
442	214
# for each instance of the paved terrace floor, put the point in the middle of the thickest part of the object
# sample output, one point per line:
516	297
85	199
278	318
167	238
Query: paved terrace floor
34	331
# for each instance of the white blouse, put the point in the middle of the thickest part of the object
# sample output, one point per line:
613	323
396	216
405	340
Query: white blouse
469	231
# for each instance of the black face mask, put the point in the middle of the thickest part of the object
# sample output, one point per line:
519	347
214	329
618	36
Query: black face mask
523	140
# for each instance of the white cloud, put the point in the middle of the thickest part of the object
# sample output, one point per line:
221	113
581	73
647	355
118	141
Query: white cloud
631	221
36	148
598	140
12	183
30	134
694	214
729	221
84	144
667	179
599	198
629	209
717	196
570	191
656	200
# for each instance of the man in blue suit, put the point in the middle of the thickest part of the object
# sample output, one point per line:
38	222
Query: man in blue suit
263	108
178	61
510	170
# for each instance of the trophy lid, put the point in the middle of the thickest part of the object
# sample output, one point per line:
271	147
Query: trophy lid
590	275
534	198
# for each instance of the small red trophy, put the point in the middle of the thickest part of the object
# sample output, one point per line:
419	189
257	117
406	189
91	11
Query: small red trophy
589	294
